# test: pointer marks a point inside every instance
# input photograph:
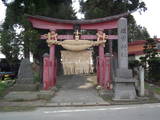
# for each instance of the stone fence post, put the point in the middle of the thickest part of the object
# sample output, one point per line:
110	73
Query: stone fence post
141	78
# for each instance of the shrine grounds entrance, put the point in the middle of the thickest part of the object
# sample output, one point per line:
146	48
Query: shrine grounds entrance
77	54
78	44
77	58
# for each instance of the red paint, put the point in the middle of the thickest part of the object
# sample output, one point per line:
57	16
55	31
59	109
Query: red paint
97	69
100	26
41	24
52	65
55	73
103	68
101	64
46	84
107	74
104	72
136	47
138	42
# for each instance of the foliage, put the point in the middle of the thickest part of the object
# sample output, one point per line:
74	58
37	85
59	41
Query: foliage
154	68
134	66
103	8
150	61
152	88
134	63
150	51
136	32
18	36
3	86
36	77
10	42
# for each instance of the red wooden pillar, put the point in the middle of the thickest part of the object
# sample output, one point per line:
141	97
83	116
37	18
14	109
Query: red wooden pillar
46	84
52	65
108	72
97	68
52	68
101	72
55	72
101	64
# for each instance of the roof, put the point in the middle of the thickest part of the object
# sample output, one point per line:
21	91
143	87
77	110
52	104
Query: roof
138	42
89	21
158	39
136	47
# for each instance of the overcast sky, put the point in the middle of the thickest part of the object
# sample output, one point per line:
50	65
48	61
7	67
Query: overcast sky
149	19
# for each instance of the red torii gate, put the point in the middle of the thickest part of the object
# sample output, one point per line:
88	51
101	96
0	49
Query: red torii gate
53	24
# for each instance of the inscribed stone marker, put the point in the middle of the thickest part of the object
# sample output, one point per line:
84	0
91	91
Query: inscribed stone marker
122	44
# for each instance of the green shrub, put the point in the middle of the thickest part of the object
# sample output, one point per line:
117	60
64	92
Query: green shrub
133	64
154	69
3	86
36	77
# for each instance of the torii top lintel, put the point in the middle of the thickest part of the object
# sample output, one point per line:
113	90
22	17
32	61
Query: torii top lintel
41	22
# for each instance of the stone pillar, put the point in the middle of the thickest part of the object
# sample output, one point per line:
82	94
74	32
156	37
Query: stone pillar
25	81
141	76
124	87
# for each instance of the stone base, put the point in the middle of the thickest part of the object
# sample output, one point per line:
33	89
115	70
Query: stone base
124	91
21	96
124	86
25	87
25	81
29	95
45	94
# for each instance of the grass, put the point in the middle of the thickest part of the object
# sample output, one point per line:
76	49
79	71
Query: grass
3	86
154	88
146	85
157	90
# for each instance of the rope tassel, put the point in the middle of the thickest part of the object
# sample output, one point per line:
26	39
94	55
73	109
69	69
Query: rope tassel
77	62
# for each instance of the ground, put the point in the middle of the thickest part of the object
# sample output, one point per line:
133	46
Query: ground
73	90
77	89
122	112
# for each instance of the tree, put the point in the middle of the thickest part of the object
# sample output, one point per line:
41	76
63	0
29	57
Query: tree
150	61
10	47
136	32
103	8
28	38
150	51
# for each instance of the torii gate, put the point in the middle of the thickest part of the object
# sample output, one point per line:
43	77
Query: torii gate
53	24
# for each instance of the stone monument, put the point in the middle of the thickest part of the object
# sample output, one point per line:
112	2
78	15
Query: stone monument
25	79
124	87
